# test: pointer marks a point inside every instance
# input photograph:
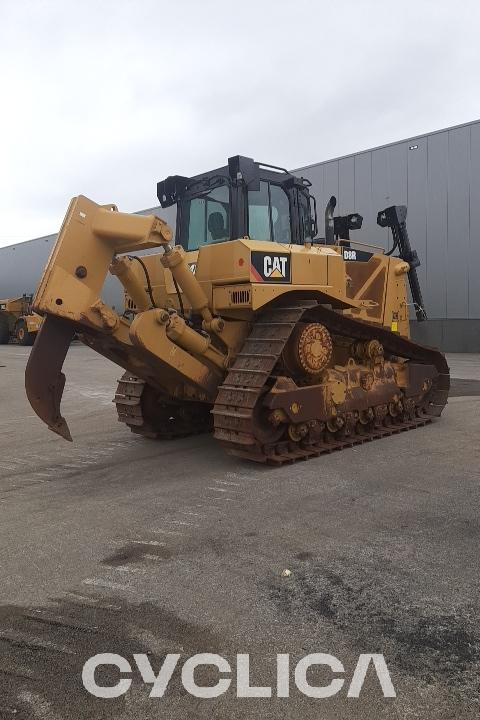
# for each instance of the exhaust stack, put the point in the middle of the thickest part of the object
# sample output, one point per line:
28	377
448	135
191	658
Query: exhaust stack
329	221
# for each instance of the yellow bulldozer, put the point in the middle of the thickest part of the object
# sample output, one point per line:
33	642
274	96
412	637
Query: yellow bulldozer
286	344
18	321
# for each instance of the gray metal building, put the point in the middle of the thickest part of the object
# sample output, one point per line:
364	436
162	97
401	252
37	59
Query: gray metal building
436	175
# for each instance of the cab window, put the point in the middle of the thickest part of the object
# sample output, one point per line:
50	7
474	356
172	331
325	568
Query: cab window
269	213
208	218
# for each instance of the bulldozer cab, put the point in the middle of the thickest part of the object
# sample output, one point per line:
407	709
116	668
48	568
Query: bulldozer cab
26	302
242	199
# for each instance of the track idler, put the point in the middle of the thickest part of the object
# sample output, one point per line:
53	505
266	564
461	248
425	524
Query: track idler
309	349
44	379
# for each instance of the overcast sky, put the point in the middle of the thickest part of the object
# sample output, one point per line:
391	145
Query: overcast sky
105	98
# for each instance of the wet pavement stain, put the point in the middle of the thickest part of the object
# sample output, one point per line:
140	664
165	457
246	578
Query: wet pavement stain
43	650
439	648
136	552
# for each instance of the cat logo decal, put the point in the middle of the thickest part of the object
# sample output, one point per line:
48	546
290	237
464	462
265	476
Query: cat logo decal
270	267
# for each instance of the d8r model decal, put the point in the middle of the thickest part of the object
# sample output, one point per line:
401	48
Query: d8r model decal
354	255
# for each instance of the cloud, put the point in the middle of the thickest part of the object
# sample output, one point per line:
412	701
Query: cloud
106	98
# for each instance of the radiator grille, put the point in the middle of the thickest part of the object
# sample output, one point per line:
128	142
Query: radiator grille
240	297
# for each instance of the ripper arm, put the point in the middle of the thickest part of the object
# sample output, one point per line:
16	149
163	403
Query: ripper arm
87	246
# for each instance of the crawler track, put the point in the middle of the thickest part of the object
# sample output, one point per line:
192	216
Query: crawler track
235	420
145	413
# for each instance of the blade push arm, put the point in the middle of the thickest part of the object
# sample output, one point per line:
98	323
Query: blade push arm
395	218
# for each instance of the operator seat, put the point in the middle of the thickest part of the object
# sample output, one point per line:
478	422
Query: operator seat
216	227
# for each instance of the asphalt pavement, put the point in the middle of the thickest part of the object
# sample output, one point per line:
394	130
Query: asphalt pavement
118	544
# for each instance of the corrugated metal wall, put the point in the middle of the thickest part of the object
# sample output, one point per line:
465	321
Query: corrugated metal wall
21	265
438	177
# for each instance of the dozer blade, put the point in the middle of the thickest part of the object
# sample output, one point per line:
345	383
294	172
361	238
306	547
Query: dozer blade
44	379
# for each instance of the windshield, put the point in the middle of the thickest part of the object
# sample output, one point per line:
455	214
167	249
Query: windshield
206	218
269	214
